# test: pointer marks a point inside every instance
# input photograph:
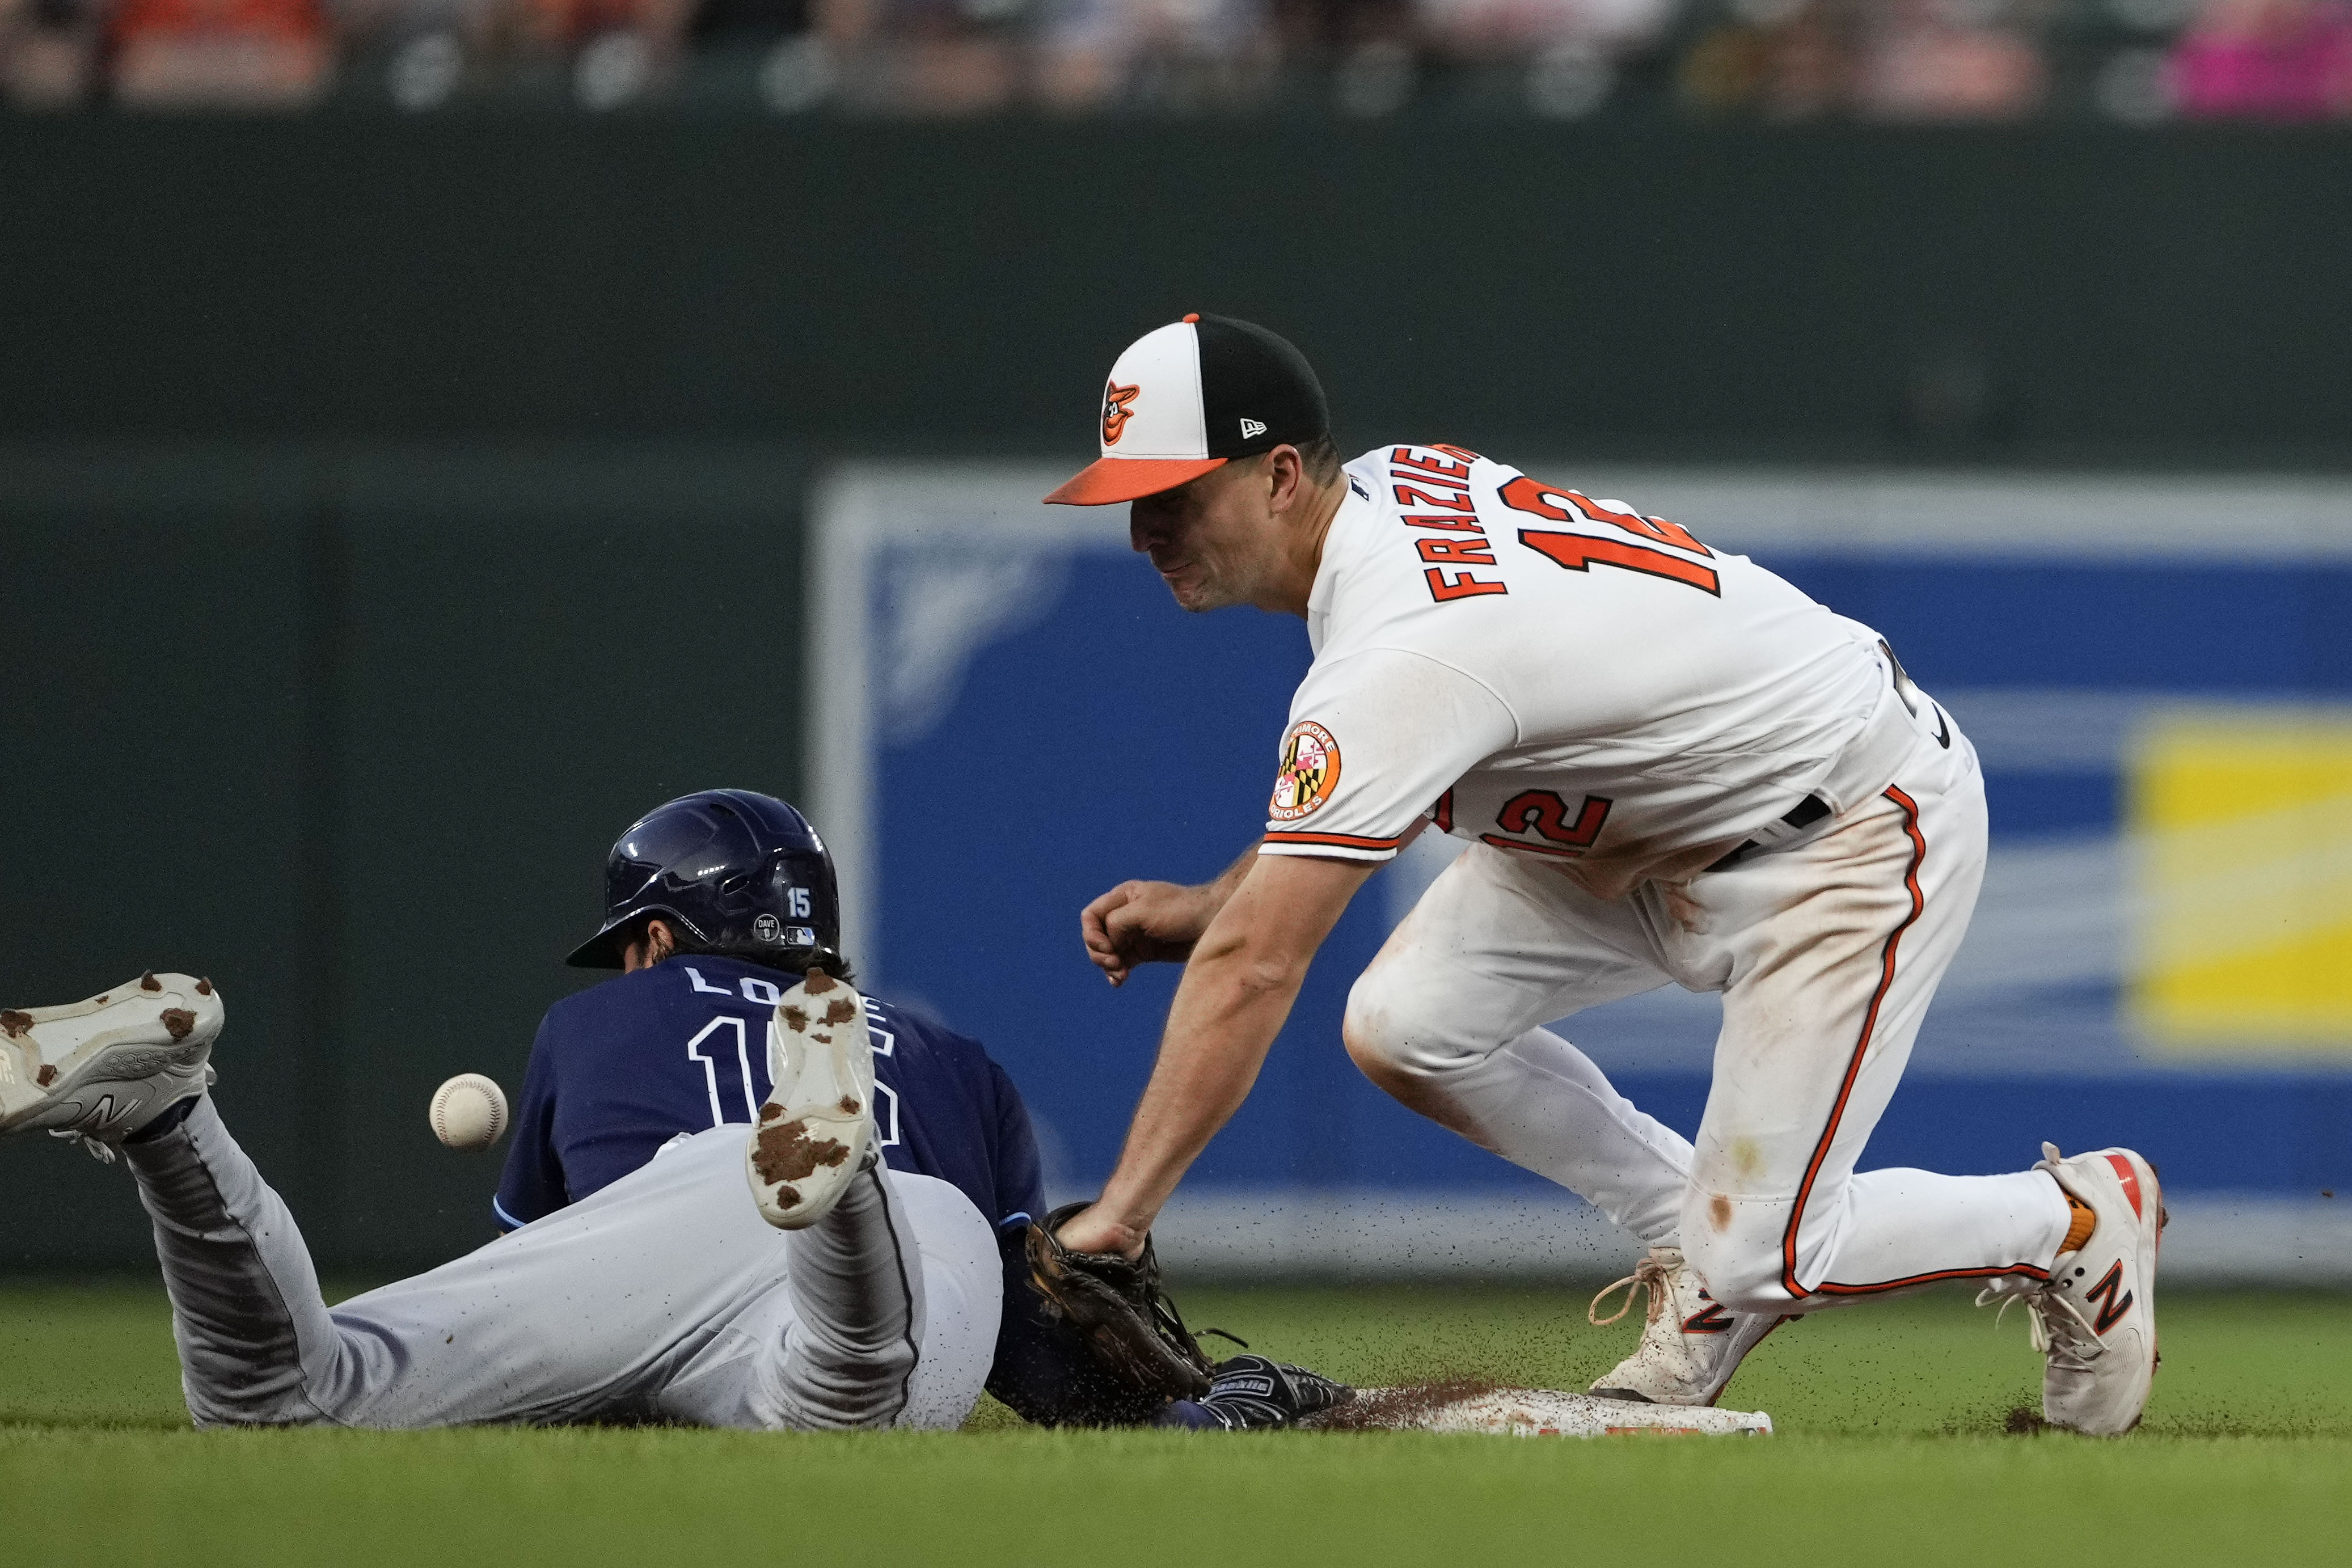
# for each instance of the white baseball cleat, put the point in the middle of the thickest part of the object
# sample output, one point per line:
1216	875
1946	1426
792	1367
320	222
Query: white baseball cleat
813	1134
1691	1345
98	1071
2094	1319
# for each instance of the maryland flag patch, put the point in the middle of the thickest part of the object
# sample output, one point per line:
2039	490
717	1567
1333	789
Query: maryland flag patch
1309	771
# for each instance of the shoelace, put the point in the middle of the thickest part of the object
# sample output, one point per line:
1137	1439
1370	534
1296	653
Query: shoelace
2056	1325
1649	1275
96	1148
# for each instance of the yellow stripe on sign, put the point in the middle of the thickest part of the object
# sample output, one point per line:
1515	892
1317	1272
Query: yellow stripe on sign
2298	993
2240	827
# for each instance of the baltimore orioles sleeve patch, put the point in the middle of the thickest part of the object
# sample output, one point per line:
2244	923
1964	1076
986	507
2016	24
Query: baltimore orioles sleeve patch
1308	773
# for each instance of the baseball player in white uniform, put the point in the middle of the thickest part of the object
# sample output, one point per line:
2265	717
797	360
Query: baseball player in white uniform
1669	765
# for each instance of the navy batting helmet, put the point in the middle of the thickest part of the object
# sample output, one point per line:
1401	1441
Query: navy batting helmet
735	872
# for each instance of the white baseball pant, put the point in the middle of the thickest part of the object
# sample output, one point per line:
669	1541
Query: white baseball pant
663	1297
1826	953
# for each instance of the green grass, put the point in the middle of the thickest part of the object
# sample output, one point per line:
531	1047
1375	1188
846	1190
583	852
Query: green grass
1890	1414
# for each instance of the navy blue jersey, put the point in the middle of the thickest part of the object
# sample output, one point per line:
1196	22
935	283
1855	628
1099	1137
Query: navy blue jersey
621	1068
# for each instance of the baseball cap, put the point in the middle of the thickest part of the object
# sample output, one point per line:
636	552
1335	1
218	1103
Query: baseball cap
1192	396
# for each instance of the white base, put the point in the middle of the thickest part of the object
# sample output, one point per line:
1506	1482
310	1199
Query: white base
1541	1413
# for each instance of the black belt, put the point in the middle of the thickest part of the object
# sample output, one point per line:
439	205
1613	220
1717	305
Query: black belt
1803	815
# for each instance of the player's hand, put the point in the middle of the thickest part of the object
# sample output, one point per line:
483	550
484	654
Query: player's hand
1092	1229
1145	923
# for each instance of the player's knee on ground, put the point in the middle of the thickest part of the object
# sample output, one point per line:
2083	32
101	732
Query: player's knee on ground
1736	1248
262	1383
265	1409
830	1391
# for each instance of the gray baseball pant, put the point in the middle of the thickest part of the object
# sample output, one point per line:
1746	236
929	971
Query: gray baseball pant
663	1296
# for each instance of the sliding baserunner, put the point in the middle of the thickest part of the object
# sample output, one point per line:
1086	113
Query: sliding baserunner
730	1221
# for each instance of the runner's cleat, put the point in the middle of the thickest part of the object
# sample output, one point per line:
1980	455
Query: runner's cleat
97	1072
2095	1318
813	1133
1690	1345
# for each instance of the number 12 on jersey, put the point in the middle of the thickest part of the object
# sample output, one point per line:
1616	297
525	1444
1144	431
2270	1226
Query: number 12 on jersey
1581	552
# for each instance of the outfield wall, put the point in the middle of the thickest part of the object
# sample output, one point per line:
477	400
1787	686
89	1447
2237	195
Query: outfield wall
350	730
2055	293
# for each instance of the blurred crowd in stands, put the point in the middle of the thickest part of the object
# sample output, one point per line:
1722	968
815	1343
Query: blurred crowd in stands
2131	61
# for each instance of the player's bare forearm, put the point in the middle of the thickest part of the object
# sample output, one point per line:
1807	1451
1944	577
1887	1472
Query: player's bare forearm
1236	992
1155	922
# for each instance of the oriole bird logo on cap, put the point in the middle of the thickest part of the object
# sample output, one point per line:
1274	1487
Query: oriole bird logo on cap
1116	414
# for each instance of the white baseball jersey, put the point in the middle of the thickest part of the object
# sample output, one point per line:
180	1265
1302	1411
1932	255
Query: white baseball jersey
1558	676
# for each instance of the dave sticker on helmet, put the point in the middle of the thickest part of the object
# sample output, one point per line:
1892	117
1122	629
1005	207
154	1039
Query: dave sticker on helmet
1309	771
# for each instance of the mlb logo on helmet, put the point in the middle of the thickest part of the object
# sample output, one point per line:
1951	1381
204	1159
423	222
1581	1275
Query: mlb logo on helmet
774	933
1192	396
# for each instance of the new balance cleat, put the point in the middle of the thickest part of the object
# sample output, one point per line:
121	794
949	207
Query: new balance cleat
97	1072
1690	1345
814	1131
2095	1318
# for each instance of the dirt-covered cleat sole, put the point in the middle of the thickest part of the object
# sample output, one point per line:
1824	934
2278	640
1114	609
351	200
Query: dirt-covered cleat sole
101	1069
813	1133
1690	1345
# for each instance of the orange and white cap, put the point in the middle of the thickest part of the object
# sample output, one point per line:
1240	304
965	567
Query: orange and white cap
1192	396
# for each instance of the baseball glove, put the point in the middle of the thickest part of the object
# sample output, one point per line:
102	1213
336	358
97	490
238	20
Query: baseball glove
1115	1304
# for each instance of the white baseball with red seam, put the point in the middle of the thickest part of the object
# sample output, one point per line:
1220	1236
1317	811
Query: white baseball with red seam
469	1112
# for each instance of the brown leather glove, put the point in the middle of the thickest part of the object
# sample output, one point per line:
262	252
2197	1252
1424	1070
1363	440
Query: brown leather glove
1115	1304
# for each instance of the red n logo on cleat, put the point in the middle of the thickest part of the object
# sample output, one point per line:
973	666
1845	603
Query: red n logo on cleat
2112	1310
1714	1319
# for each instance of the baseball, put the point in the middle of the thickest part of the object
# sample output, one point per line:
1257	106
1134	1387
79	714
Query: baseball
469	1112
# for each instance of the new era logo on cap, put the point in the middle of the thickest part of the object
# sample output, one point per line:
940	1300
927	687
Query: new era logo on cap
1172	407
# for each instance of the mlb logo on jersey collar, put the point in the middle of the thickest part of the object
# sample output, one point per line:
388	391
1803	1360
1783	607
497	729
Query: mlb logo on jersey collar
1191	396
